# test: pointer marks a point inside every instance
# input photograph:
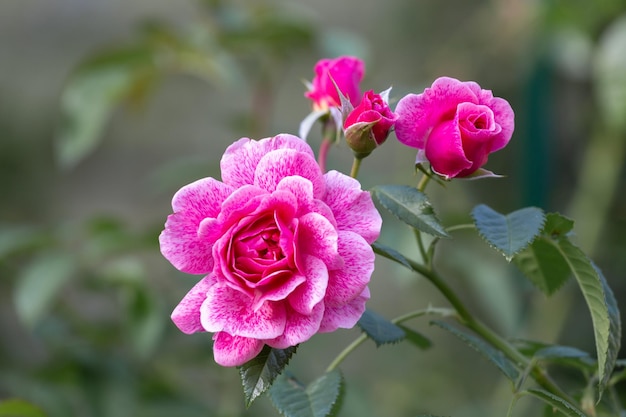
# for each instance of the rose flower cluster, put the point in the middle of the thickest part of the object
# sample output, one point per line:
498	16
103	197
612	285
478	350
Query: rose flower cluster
284	247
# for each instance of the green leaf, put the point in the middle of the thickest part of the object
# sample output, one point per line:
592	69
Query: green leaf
321	398
14	238
258	374
493	355
411	206
568	409
416	338
602	306
509	233
379	329
557	225
19	408
39	283
88	100
391	254
543	264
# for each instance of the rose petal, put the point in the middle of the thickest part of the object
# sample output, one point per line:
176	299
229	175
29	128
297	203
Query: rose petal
444	150
316	236
299	328
240	160
346	316
309	294
419	113
234	350
186	315
179	241
231	311
278	164
353	208
348	282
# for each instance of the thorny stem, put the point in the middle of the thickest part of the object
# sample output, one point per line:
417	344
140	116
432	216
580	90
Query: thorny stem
421	186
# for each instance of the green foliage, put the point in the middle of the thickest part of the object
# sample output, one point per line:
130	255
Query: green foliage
509	233
39	284
415	338
551	259
565	407
379	329
321	398
391	254
410	206
258	374
494	356
19	408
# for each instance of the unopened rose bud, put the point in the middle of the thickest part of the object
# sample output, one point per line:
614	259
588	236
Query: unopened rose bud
368	125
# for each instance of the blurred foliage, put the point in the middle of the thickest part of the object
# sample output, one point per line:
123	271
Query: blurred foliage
85	329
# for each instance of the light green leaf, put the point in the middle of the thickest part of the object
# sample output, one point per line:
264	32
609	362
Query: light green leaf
511	233
410	206
39	283
320	399
568	409
602	306
493	355
19	408
16	237
258	374
379	329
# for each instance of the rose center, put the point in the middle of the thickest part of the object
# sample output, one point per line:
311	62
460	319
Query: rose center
256	255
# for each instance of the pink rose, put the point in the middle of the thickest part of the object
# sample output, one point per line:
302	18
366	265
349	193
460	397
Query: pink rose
455	126
285	249
368	125
346	72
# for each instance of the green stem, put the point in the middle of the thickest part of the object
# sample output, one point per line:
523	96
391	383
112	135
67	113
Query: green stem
356	164
465	226
421	186
445	312
420	244
538	374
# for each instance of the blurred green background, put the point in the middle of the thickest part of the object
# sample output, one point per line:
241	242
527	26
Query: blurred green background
108	107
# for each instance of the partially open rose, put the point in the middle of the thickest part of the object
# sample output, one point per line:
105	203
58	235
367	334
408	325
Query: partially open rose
285	249
454	125
344	73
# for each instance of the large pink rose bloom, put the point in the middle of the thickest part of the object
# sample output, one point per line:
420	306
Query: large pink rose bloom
346	72
454	125
286	250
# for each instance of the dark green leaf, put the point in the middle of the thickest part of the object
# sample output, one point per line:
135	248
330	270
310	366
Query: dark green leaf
416	338
509	233
319	399
602	306
258	374
39	283
379	329
557	225
391	254
411	206
19	408
564	406
556	352
543	265
493	355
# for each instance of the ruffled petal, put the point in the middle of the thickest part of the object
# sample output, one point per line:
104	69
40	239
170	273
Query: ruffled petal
179	241
278	164
444	150
231	311
346	316
234	350
353	208
348	282
311	292
240	160
316	236
419	113
299	328
186	315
